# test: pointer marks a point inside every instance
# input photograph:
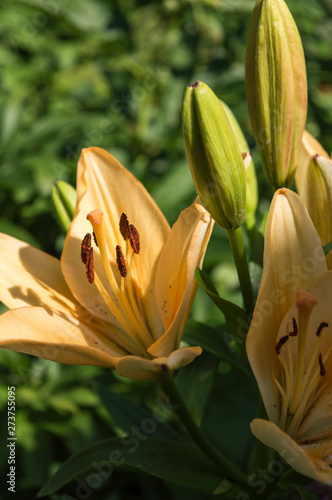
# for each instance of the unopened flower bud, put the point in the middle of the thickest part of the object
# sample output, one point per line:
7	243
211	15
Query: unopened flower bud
252	188
214	156
276	87
316	192
64	201
309	147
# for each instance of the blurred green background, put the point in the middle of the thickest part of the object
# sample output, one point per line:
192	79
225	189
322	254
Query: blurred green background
80	73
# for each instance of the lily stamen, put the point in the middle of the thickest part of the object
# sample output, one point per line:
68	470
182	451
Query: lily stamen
299	390
121	263
127	303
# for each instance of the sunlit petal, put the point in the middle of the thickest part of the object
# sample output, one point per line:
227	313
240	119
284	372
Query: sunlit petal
31	277
174	285
55	335
105	185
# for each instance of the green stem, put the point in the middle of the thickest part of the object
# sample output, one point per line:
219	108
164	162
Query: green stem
229	470
250	223
237	244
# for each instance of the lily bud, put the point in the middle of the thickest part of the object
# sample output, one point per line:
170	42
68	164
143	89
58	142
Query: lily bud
309	147
64	201
276	87
316	192
252	188
214	156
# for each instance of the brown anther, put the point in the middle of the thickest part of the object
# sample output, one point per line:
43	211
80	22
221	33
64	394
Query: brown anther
95	238
321	366
295	329
281	342
123	225
120	260
133	235
320	328
90	267
85	248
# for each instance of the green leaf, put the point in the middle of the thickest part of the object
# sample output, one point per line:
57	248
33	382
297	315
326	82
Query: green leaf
235	316
127	415
173	461
232	406
195	382
215	341
327	248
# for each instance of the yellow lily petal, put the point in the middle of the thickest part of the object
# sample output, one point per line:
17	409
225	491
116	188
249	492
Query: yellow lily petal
103	184
56	336
293	258
175	287
310	460
310	147
316	192
30	277
137	368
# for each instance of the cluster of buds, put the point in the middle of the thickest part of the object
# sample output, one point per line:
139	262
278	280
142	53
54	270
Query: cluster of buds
276	90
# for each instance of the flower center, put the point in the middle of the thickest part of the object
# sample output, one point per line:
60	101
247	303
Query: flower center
303	364
123	301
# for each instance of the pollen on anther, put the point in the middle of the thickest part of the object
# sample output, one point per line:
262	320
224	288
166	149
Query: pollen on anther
320	328
321	366
281	342
120	260
90	267
134	238
295	329
85	248
123	225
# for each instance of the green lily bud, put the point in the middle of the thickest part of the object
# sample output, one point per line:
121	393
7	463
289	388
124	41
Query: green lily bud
316	192
214	156
276	88
64	201
252	188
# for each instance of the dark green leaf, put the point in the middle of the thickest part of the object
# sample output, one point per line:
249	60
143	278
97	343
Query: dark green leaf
219	342
235	316
173	461
128	415
195	382
327	248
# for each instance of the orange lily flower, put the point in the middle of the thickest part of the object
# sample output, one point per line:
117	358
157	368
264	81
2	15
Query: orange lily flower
126	305
289	343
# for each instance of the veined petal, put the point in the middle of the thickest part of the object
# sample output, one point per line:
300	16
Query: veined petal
104	184
307	460
137	368
293	259
316	192
310	146
30	277
318	423
174	284
54	335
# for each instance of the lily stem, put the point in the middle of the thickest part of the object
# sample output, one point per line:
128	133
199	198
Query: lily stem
239	253
228	468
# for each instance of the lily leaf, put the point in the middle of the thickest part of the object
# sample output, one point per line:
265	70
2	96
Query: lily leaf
128	415
180	463
215	341
195	382
327	248
235	316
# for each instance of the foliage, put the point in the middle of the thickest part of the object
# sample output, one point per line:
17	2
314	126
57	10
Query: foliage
77	73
